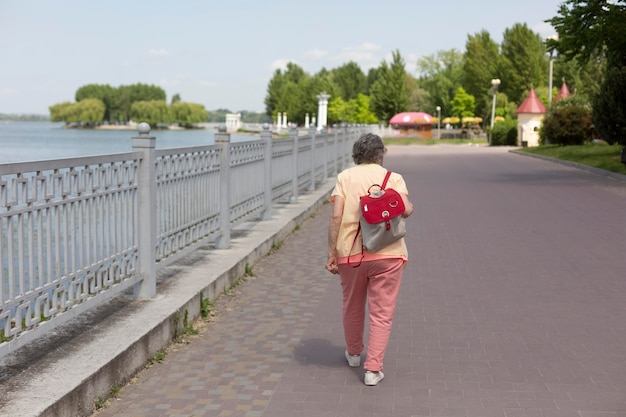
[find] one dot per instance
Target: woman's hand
(331, 264)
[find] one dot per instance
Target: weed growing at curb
(275, 247)
(157, 358)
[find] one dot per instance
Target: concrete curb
(596, 171)
(66, 374)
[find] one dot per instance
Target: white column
(285, 120)
(322, 110)
(306, 121)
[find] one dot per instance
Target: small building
(233, 122)
(412, 124)
(529, 117)
(563, 92)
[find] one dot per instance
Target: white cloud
(8, 91)
(157, 52)
(366, 55)
(315, 54)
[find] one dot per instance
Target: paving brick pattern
(513, 304)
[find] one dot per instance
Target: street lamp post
(494, 84)
(438, 122)
(552, 52)
(550, 79)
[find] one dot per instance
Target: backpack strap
(382, 187)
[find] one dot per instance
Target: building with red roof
(563, 92)
(529, 117)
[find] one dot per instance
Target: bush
(568, 122)
(504, 133)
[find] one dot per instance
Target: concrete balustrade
(77, 232)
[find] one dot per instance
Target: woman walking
(366, 277)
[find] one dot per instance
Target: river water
(35, 141)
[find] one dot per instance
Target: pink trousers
(377, 283)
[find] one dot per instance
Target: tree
(153, 112)
(589, 29)
(362, 110)
(338, 110)
(285, 93)
(418, 99)
(372, 77)
(440, 75)
(311, 88)
(609, 107)
(388, 93)
(103, 92)
(524, 62)
(59, 111)
(357, 110)
(481, 61)
(350, 80)
(582, 78)
(593, 31)
(175, 99)
(462, 103)
(129, 94)
(90, 111)
(187, 114)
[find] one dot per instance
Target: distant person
(368, 277)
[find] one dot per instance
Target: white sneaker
(353, 360)
(373, 378)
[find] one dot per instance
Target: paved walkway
(512, 305)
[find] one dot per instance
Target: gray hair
(368, 149)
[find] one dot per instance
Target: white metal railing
(78, 232)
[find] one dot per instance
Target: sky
(223, 53)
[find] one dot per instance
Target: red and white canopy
(411, 118)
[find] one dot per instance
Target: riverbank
(134, 127)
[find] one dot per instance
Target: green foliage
(417, 98)
(568, 122)
(88, 111)
(583, 78)
(248, 271)
(356, 110)
(115, 104)
(276, 245)
(103, 92)
(480, 65)
(589, 29)
(290, 92)
(363, 110)
(440, 76)
(388, 93)
(153, 112)
(350, 80)
(187, 114)
(609, 107)
(523, 62)
(462, 103)
(158, 357)
(60, 112)
(504, 133)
